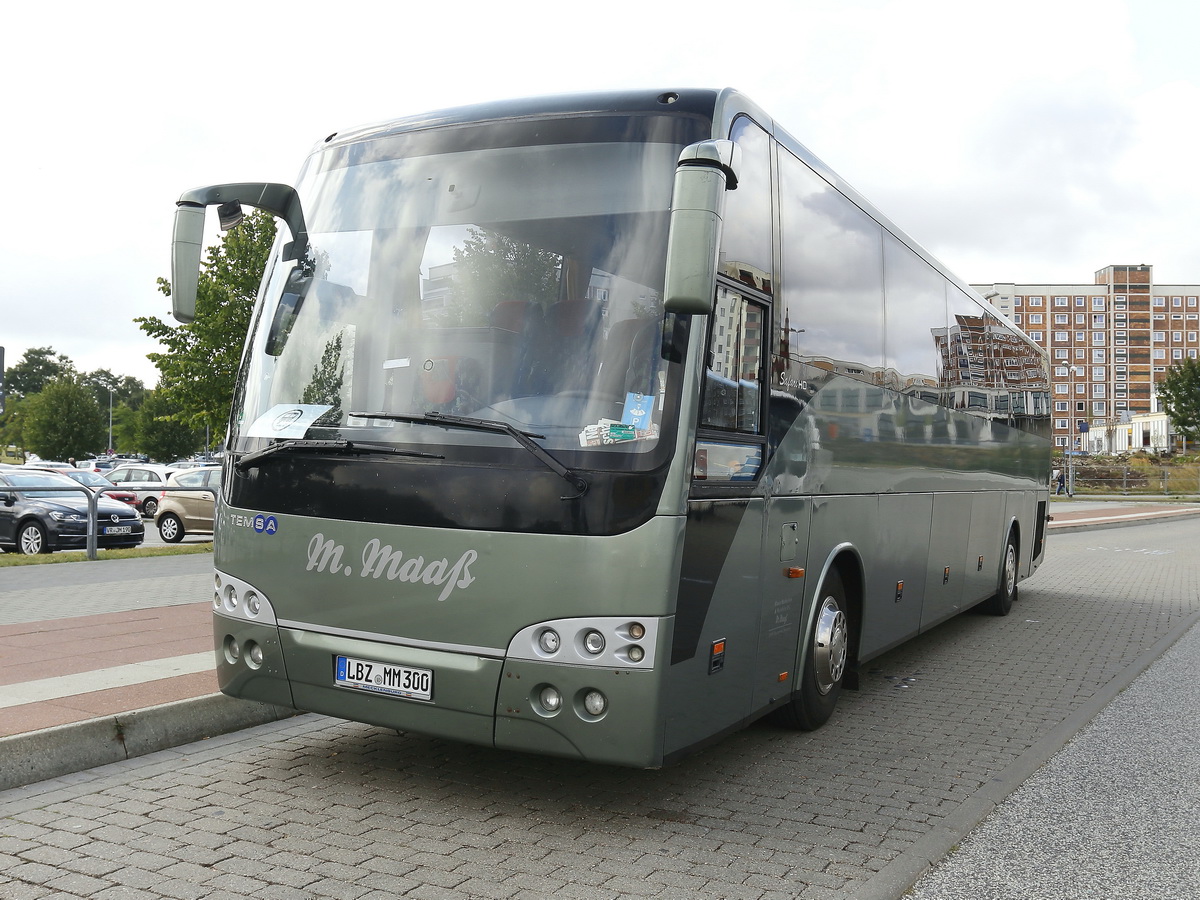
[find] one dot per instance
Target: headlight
(593, 642)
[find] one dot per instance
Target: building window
(1061, 336)
(1035, 301)
(1060, 389)
(1191, 337)
(1060, 372)
(1097, 303)
(1060, 441)
(1097, 321)
(1097, 356)
(1097, 390)
(1177, 336)
(1191, 301)
(1079, 301)
(1035, 318)
(1177, 302)
(1061, 301)
(1098, 408)
(1097, 337)
(1160, 354)
(1062, 319)
(1158, 336)
(1160, 301)
(1061, 353)
(1016, 318)
(1036, 335)
(1060, 406)
(1060, 423)
(1017, 302)
(1097, 373)
(1177, 354)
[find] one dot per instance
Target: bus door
(716, 629)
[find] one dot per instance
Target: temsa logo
(379, 560)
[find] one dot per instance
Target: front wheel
(1000, 603)
(170, 529)
(825, 662)
(31, 539)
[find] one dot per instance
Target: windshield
(20, 480)
(479, 272)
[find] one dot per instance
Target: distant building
(1109, 342)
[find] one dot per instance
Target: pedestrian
(1061, 480)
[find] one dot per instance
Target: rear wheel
(170, 529)
(149, 507)
(31, 539)
(813, 702)
(1001, 602)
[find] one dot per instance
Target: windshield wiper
(352, 447)
(524, 438)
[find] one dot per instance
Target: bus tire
(813, 702)
(1000, 603)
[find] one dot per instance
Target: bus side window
(731, 400)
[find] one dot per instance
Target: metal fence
(1095, 477)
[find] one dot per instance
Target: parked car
(147, 480)
(99, 483)
(41, 521)
(185, 512)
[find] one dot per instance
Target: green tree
(12, 423)
(159, 430)
(1179, 391)
(37, 368)
(200, 363)
(64, 421)
(490, 268)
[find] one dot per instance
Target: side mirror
(706, 171)
(185, 260)
(278, 199)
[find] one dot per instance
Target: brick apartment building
(1109, 342)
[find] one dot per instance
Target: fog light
(637, 631)
(253, 604)
(550, 699)
(595, 703)
(232, 650)
(216, 599)
(549, 641)
(593, 642)
(636, 653)
(254, 655)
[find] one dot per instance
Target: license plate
(118, 529)
(383, 678)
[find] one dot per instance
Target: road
(318, 807)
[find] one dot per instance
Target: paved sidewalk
(85, 680)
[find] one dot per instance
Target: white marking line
(103, 679)
(1144, 515)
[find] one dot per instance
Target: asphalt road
(943, 729)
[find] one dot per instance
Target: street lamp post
(110, 446)
(1073, 430)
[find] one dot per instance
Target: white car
(147, 480)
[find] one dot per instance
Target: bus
(601, 426)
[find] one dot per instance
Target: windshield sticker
(286, 420)
(610, 431)
(638, 409)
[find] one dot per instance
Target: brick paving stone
(314, 807)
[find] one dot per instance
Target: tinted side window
(746, 251)
(832, 270)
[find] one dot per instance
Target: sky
(1034, 141)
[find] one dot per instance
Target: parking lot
(942, 727)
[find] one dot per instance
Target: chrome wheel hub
(830, 645)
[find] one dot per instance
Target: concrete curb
(899, 876)
(64, 749)
(1067, 528)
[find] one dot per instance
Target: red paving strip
(114, 701)
(1060, 517)
(31, 651)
